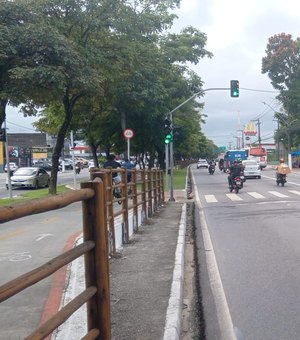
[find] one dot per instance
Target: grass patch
(179, 178)
(32, 194)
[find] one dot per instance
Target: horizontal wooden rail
(24, 281)
(61, 316)
(41, 205)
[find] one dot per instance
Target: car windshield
(25, 172)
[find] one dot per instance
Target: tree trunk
(68, 107)
(94, 153)
(3, 103)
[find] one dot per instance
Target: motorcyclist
(112, 164)
(221, 164)
(234, 171)
(282, 169)
(212, 166)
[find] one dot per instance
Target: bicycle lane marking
(12, 234)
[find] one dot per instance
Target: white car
(251, 169)
(33, 177)
(202, 163)
(91, 164)
(12, 167)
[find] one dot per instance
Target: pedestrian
(129, 166)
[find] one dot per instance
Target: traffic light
(168, 131)
(234, 88)
(2, 135)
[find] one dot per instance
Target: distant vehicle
(260, 155)
(91, 164)
(202, 163)
(12, 167)
(43, 164)
(233, 155)
(251, 169)
(68, 164)
(29, 177)
(83, 161)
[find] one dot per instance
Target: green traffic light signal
(168, 138)
(234, 88)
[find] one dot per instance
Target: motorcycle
(117, 191)
(236, 185)
(281, 179)
(211, 169)
(243, 178)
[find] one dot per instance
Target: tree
(282, 63)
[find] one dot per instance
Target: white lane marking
(278, 194)
(295, 192)
(43, 236)
(210, 198)
(234, 197)
(255, 194)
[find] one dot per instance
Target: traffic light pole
(171, 158)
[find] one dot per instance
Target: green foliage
(97, 67)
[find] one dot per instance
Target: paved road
(255, 237)
(24, 245)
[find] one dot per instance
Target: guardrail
(99, 210)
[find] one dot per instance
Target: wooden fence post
(96, 261)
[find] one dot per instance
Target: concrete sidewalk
(146, 281)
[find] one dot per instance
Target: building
(23, 147)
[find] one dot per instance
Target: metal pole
(128, 148)
(167, 166)
(7, 161)
(171, 199)
(73, 160)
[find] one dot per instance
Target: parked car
(202, 163)
(12, 167)
(29, 177)
(251, 169)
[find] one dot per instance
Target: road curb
(174, 311)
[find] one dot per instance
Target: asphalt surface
(146, 281)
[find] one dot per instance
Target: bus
(232, 155)
(260, 155)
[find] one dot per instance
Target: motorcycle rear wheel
(236, 190)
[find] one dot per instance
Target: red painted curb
(57, 286)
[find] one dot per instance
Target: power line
(21, 126)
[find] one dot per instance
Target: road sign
(128, 133)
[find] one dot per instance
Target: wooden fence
(99, 209)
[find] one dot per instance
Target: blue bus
(232, 155)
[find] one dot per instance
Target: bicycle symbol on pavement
(15, 256)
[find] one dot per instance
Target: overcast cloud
(237, 32)
(237, 35)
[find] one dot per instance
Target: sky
(237, 34)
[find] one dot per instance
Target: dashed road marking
(295, 192)
(12, 234)
(277, 194)
(255, 194)
(210, 198)
(234, 197)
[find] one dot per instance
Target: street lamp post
(170, 115)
